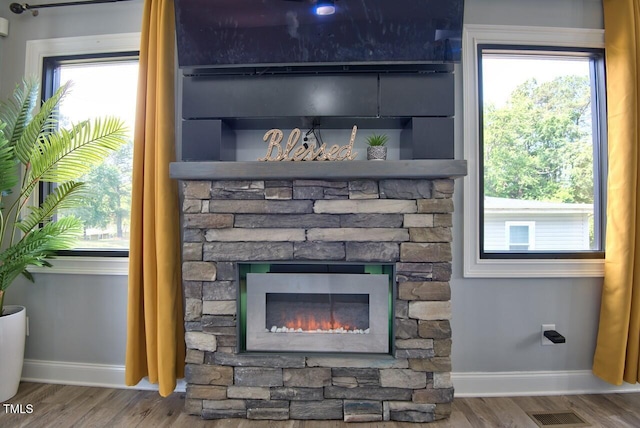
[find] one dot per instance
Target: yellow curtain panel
(616, 356)
(155, 330)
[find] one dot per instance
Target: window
(520, 235)
(102, 85)
(106, 45)
(535, 128)
(540, 151)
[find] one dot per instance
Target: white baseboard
(509, 384)
(467, 384)
(102, 375)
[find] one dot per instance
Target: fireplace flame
(306, 323)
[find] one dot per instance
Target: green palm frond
(67, 155)
(33, 249)
(16, 111)
(8, 166)
(43, 124)
(66, 195)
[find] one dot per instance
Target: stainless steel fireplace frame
(377, 343)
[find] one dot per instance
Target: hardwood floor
(45, 405)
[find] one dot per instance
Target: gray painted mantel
(340, 170)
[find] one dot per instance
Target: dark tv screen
(234, 33)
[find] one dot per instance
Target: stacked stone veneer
(406, 222)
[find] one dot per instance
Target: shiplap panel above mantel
(320, 170)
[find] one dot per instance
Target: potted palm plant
(33, 150)
(377, 149)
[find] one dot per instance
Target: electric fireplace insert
(317, 312)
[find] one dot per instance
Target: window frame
(596, 65)
(541, 265)
(99, 262)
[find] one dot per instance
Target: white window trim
(36, 51)
(473, 266)
(531, 229)
(79, 265)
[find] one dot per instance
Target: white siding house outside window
(549, 226)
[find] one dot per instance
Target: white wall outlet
(543, 340)
(311, 140)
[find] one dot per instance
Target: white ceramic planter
(13, 330)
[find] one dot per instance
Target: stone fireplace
(312, 230)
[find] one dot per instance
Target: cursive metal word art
(305, 153)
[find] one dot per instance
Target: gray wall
(496, 322)
(74, 318)
(71, 21)
(543, 13)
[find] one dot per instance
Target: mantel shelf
(320, 170)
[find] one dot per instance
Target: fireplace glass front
(317, 312)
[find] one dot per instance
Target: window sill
(539, 268)
(74, 265)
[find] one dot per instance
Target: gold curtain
(616, 356)
(155, 331)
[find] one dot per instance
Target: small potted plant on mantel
(377, 149)
(32, 150)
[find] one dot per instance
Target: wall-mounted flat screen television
(235, 33)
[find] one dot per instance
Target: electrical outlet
(543, 340)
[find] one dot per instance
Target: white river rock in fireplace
(339, 330)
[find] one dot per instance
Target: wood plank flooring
(80, 406)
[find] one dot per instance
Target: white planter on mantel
(13, 331)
